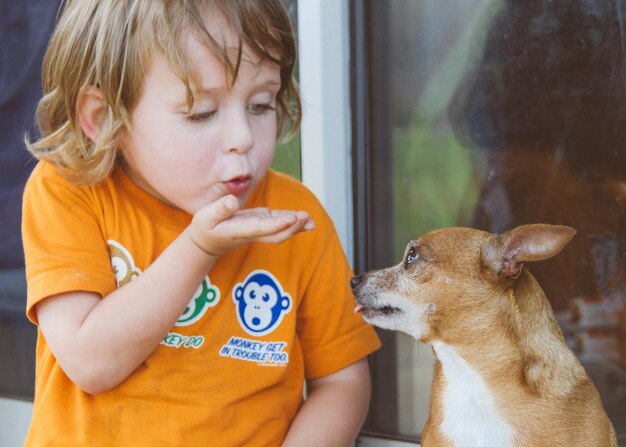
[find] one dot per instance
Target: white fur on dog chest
(470, 417)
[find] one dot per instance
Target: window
(22, 25)
(287, 158)
(492, 114)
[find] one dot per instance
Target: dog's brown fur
(468, 290)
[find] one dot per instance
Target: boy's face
(224, 145)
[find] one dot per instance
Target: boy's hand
(221, 226)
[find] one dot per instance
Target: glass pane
(493, 114)
(24, 31)
(287, 157)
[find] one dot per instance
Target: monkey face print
(261, 303)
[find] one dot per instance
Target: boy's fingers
(231, 227)
(284, 232)
(309, 224)
(271, 225)
(282, 236)
(301, 222)
(257, 228)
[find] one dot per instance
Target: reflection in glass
(502, 113)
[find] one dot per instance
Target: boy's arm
(334, 410)
(100, 342)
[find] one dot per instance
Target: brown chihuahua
(504, 375)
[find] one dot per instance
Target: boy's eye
(200, 117)
(258, 109)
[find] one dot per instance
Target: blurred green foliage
(436, 180)
(433, 182)
(287, 157)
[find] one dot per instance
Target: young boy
(180, 298)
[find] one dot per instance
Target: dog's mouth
(370, 311)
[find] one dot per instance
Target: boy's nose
(237, 134)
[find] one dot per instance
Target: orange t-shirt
(228, 373)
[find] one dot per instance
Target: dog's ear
(505, 255)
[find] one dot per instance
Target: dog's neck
(550, 367)
(519, 336)
(464, 405)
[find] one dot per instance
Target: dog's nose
(355, 281)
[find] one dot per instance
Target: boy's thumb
(226, 206)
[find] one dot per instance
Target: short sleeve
(64, 248)
(332, 335)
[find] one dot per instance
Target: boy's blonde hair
(109, 44)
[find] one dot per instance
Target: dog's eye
(411, 256)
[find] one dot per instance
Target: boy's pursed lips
(239, 185)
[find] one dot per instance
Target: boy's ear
(91, 109)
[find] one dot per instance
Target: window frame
(337, 144)
(326, 141)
